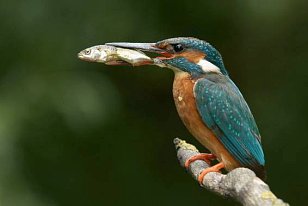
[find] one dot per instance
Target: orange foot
(202, 156)
(215, 168)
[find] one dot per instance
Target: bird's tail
(260, 172)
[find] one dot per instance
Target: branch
(240, 184)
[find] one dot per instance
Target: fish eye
(88, 51)
(178, 47)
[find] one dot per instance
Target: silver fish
(114, 56)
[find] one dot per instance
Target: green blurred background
(79, 133)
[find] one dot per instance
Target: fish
(112, 55)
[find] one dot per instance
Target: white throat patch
(208, 66)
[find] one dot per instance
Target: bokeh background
(79, 133)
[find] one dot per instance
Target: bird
(209, 104)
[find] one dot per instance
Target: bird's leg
(215, 168)
(202, 156)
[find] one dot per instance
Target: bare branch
(240, 184)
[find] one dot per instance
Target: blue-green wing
(224, 110)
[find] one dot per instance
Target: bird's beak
(147, 47)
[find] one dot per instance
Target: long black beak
(148, 47)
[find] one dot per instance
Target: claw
(202, 156)
(215, 168)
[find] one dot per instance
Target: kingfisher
(209, 103)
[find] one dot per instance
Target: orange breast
(186, 106)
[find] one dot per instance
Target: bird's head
(186, 54)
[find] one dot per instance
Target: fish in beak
(112, 55)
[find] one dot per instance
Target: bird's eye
(178, 47)
(88, 52)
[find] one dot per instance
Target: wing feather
(224, 110)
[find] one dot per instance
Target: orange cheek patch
(192, 56)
